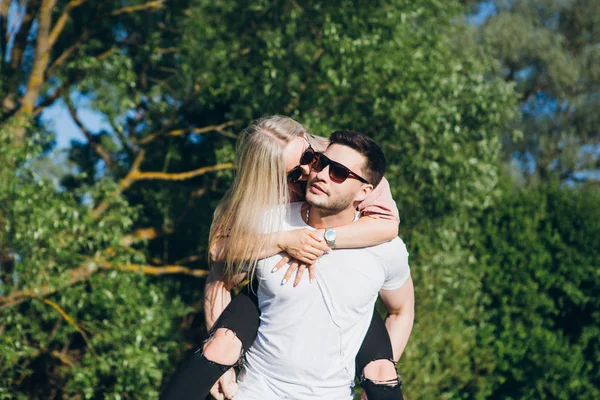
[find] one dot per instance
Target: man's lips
(316, 189)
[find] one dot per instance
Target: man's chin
(314, 199)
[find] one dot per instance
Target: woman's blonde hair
(259, 188)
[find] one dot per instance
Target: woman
(274, 156)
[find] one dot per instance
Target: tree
(175, 83)
(549, 49)
(539, 257)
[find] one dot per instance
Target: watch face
(330, 235)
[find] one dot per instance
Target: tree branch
(130, 9)
(164, 270)
(180, 132)
(86, 270)
(144, 234)
(97, 147)
(217, 128)
(69, 319)
(4, 8)
(68, 52)
(62, 20)
(181, 176)
(20, 42)
(64, 56)
(40, 62)
(64, 358)
(135, 175)
(48, 101)
(18, 49)
(123, 185)
(79, 274)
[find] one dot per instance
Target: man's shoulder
(390, 250)
(386, 252)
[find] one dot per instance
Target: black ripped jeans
(196, 376)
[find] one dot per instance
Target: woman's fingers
(293, 266)
(320, 243)
(215, 391)
(311, 272)
(299, 274)
(305, 245)
(229, 386)
(312, 253)
(284, 260)
(308, 258)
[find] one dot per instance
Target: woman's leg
(234, 331)
(375, 366)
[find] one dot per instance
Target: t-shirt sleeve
(398, 270)
(379, 203)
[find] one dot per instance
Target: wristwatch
(330, 237)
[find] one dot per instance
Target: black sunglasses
(338, 173)
(307, 158)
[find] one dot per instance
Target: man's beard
(332, 206)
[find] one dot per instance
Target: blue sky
(64, 126)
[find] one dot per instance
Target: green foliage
(540, 259)
(158, 77)
(549, 49)
(119, 328)
(390, 72)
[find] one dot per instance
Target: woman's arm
(303, 244)
(365, 232)
(378, 224)
(217, 293)
(380, 203)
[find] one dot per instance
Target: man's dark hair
(374, 167)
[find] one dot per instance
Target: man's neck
(322, 219)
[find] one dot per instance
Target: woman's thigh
(241, 316)
(375, 346)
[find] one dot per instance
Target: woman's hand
(303, 248)
(226, 387)
(304, 245)
(295, 265)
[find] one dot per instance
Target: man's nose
(323, 175)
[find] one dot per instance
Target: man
(310, 335)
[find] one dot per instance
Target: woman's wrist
(282, 240)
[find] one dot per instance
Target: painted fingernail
(311, 280)
(274, 270)
(283, 282)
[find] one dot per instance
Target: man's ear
(364, 191)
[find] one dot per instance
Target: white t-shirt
(310, 335)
